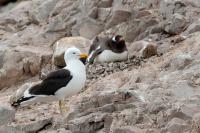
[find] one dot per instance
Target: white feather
(109, 56)
(78, 72)
(76, 83)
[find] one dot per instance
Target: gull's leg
(62, 107)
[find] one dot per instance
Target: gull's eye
(73, 53)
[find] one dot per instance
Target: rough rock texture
(7, 115)
(64, 43)
(176, 24)
(155, 91)
(97, 71)
(142, 49)
(22, 62)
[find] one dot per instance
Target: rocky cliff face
(156, 91)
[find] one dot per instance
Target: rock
(170, 7)
(90, 28)
(143, 13)
(142, 49)
(131, 30)
(104, 102)
(89, 123)
(7, 115)
(57, 25)
(176, 25)
(93, 13)
(180, 61)
(61, 45)
(128, 129)
(196, 121)
(12, 69)
(103, 14)
(34, 126)
(31, 65)
(42, 13)
(118, 16)
(148, 4)
(105, 3)
(177, 125)
(194, 27)
(126, 118)
(20, 62)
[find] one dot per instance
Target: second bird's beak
(83, 58)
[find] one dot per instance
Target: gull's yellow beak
(83, 56)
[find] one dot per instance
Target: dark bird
(105, 49)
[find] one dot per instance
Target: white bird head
(74, 53)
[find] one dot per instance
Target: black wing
(54, 81)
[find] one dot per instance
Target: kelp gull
(58, 84)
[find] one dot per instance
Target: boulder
(133, 29)
(177, 125)
(56, 24)
(118, 16)
(170, 7)
(12, 69)
(180, 61)
(142, 49)
(103, 13)
(7, 115)
(176, 25)
(194, 27)
(20, 62)
(42, 13)
(90, 28)
(105, 3)
(61, 46)
(185, 112)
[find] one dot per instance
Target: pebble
(97, 70)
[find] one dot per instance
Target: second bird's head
(74, 53)
(118, 39)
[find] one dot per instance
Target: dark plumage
(115, 44)
(54, 81)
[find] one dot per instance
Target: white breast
(109, 56)
(76, 83)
